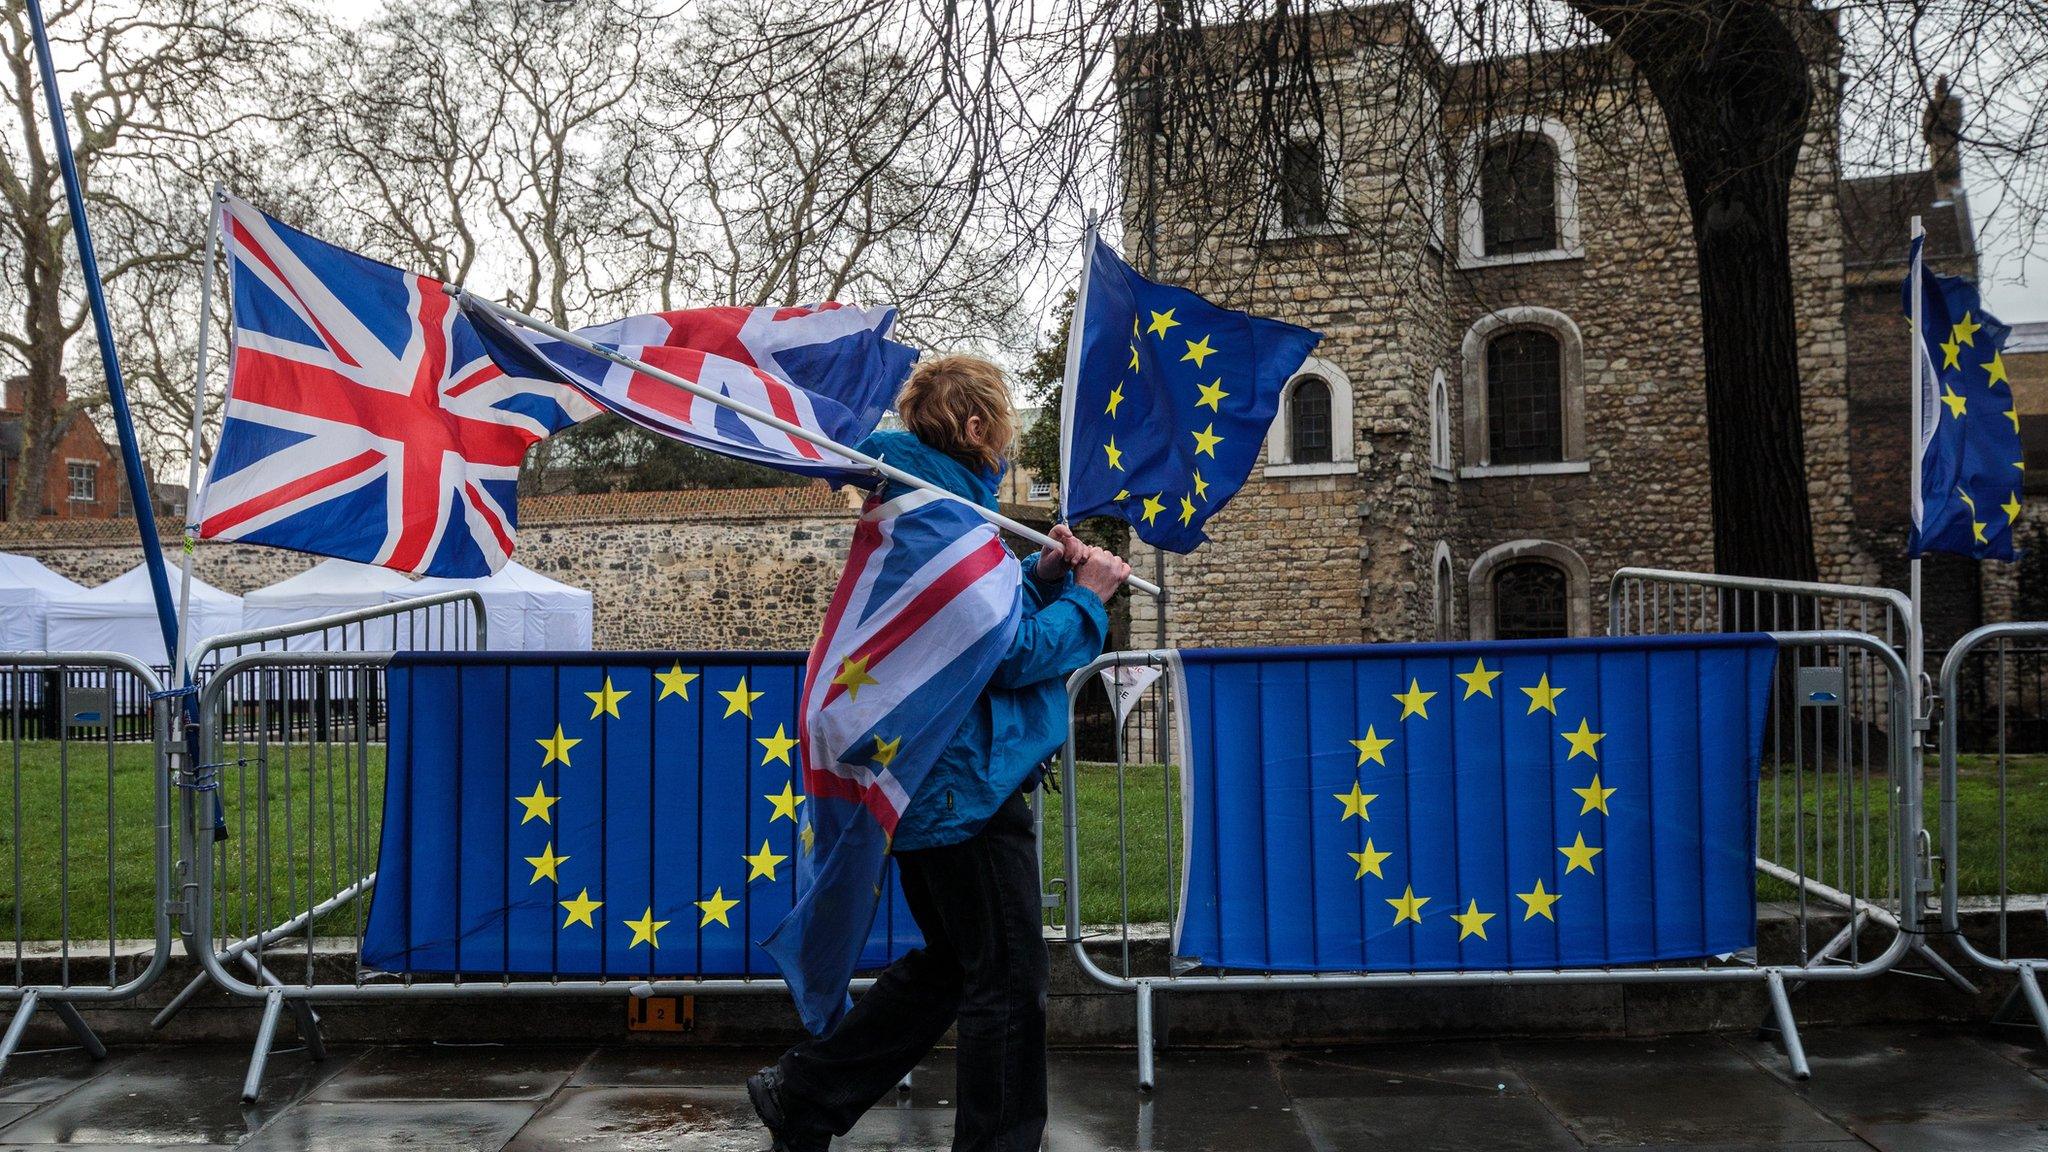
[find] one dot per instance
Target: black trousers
(983, 966)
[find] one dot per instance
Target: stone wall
(744, 568)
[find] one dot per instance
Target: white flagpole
(820, 440)
(1073, 373)
(1916, 635)
(190, 543)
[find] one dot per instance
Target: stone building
(1508, 403)
(83, 480)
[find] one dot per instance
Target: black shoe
(764, 1091)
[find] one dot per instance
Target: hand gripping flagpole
(798, 431)
(140, 496)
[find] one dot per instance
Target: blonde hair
(944, 392)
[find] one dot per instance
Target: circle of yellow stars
(1542, 696)
(763, 864)
(1210, 396)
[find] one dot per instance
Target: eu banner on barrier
(614, 814)
(1473, 806)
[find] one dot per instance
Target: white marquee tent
(120, 616)
(27, 589)
(327, 589)
(526, 610)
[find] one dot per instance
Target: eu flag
(1971, 459)
(1167, 401)
(595, 815)
(1441, 807)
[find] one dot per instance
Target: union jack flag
(926, 609)
(364, 418)
(830, 368)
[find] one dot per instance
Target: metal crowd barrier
(88, 835)
(1664, 602)
(1993, 685)
(1841, 836)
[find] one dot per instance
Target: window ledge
(1548, 255)
(1325, 468)
(1278, 234)
(1555, 468)
(1439, 473)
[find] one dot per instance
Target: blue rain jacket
(1021, 717)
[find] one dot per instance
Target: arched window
(1518, 194)
(1308, 418)
(1439, 423)
(1524, 398)
(1530, 601)
(1444, 613)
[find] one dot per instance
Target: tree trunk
(1731, 79)
(42, 391)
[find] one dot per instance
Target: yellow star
(1479, 681)
(1153, 507)
(1212, 395)
(1949, 353)
(1594, 795)
(2011, 507)
(1472, 922)
(1198, 351)
(809, 839)
(785, 802)
(1967, 502)
(853, 675)
(545, 863)
(580, 909)
(1371, 747)
(557, 748)
(1539, 903)
(775, 747)
(1134, 356)
(1161, 321)
(644, 929)
(1579, 856)
(1977, 528)
(885, 750)
(1115, 454)
(1122, 494)
(1206, 441)
(537, 805)
(1369, 861)
(739, 701)
(675, 682)
(1187, 511)
(762, 863)
(1201, 485)
(1965, 332)
(1408, 906)
(605, 701)
(1956, 404)
(1414, 701)
(1354, 803)
(714, 907)
(1543, 696)
(1585, 741)
(2013, 414)
(1116, 399)
(1994, 370)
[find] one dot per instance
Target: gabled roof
(1877, 218)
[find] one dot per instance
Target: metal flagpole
(771, 420)
(1073, 370)
(140, 496)
(1915, 634)
(190, 544)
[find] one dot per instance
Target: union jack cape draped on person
(364, 419)
(927, 607)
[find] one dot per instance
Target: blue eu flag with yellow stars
(1167, 401)
(1971, 459)
(595, 815)
(1443, 807)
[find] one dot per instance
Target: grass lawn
(46, 785)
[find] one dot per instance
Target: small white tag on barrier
(1125, 683)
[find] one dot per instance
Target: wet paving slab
(1891, 1089)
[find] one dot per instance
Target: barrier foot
(904, 1084)
(266, 1033)
(1948, 971)
(1788, 1028)
(309, 1029)
(1146, 1073)
(2026, 990)
(178, 1002)
(17, 1027)
(68, 1012)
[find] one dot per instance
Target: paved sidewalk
(1902, 1089)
